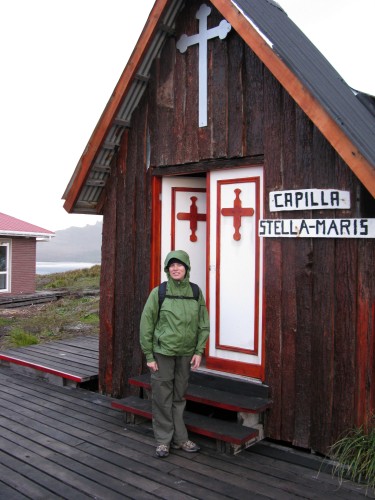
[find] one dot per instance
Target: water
(61, 267)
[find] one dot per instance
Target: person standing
(173, 337)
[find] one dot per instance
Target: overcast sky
(61, 59)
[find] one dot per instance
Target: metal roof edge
(26, 234)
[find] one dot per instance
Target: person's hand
(195, 361)
(153, 366)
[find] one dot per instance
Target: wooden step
(213, 394)
(229, 384)
(222, 430)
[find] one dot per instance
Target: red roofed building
(18, 254)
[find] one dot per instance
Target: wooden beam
(142, 78)
(121, 123)
(95, 183)
(101, 168)
(208, 165)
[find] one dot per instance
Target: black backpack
(162, 292)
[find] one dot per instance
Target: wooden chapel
(229, 135)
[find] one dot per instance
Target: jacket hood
(180, 255)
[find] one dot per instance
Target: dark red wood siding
(319, 293)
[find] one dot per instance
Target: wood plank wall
(319, 293)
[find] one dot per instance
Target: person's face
(177, 271)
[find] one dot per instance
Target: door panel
(235, 280)
(184, 223)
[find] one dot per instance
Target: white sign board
(309, 199)
(317, 228)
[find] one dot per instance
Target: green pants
(169, 385)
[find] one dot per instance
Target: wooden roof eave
(360, 166)
(82, 170)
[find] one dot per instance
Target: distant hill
(75, 244)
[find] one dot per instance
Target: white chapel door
(235, 280)
(226, 233)
(184, 223)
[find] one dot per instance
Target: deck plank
(8, 493)
(65, 474)
(23, 479)
(42, 357)
(74, 350)
(54, 361)
(54, 349)
(87, 342)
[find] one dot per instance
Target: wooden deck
(28, 299)
(64, 442)
(68, 361)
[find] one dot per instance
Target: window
(4, 267)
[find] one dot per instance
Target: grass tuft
(20, 338)
(354, 455)
(5, 321)
(90, 318)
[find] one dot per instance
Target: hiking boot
(162, 450)
(188, 446)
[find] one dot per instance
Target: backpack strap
(195, 289)
(162, 293)
(162, 290)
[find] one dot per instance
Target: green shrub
(90, 319)
(5, 321)
(20, 338)
(355, 455)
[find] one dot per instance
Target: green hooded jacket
(182, 327)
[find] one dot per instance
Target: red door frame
(155, 277)
(230, 367)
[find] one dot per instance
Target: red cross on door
(237, 212)
(193, 216)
